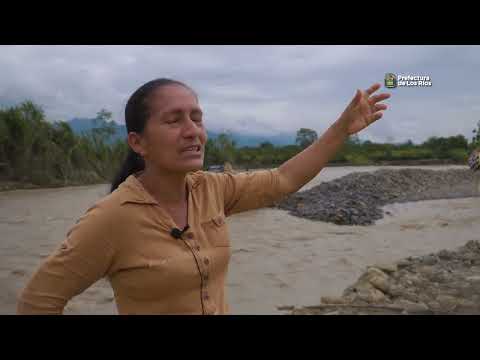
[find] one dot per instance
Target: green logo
(390, 80)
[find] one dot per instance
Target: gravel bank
(357, 198)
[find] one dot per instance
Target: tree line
(36, 151)
(454, 149)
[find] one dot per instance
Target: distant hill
(80, 126)
(255, 140)
(84, 125)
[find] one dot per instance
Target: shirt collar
(134, 192)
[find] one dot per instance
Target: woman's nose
(191, 129)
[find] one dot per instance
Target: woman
(160, 237)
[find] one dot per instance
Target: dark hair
(137, 112)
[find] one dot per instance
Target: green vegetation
(454, 149)
(305, 137)
(35, 151)
(476, 136)
(38, 152)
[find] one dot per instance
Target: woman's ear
(136, 143)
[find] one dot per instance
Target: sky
(255, 89)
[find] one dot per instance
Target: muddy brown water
(277, 259)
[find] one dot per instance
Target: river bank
(8, 185)
(18, 185)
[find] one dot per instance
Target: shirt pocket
(216, 230)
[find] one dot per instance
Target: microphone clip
(177, 233)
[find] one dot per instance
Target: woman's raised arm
(364, 109)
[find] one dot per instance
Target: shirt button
(197, 248)
(205, 296)
(206, 261)
(189, 236)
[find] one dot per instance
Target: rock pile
(447, 282)
(357, 198)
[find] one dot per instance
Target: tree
(44, 153)
(267, 146)
(306, 137)
(445, 143)
(354, 140)
(220, 150)
(104, 126)
(476, 136)
(63, 135)
(104, 115)
(458, 142)
(226, 146)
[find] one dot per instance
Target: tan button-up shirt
(126, 238)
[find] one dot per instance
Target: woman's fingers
(373, 100)
(356, 97)
(373, 88)
(376, 98)
(379, 107)
(374, 117)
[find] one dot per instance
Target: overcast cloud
(255, 89)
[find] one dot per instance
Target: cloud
(255, 89)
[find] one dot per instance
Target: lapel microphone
(177, 233)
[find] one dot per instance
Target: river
(277, 259)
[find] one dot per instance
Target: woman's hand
(303, 167)
(363, 110)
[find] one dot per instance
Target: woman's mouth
(194, 149)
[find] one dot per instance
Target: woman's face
(174, 137)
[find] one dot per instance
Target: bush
(36, 151)
(358, 159)
(458, 155)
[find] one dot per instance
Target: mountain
(83, 125)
